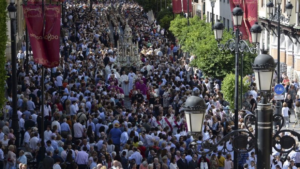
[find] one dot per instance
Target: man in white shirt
(59, 81)
(47, 134)
(33, 142)
(78, 130)
(136, 156)
(27, 137)
(56, 123)
(82, 158)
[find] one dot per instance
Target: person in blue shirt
(115, 135)
(22, 158)
(65, 129)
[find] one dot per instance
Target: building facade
(289, 37)
(20, 28)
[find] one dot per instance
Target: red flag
(31, 2)
(185, 8)
(176, 4)
(52, 34)
(243, 28)
(250, 15)
(35, 24)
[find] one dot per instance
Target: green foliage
(3, 37)
(198, 39)
(228, 87)
(165, 17)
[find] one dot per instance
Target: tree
(198, 39)
(228, 87)
(3, 37)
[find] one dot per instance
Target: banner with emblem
(33, 15)
(185, 8)
(250, 15)
(52, 35)
(177, 6)
(34, 2)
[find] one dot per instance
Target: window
(207, 16)
(221, 19)
(228, 1)
(262, 3)
(224, 21)
(227, 24)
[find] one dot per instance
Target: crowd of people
(99, 115)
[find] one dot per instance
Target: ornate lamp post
(12, 10)
(238, 46)
(242, 139)
(212, 2)
(279, 18)
(264, 66)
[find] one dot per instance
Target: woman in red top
(142, 149)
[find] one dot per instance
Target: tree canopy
(228, 87)
(198, 39)
(3, 37)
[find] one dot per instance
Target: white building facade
(289, 37)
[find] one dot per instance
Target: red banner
(185, 6)
(35, 24)
(176, 4)
(52, 35)
(250, 15)
(31, 2)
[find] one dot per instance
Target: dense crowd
(100, 115)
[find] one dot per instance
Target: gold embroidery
(33, 15)
(56, 9)
(50, 37)
(45, 62)
(250, 18)
(35, 36)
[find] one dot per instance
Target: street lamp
(238, 46)
(243, 140)
(276, 16)
(263, 67)
(194, 109)
(237, 13)
(12, 11)
(212, 13)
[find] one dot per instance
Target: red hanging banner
(185, 8)
(32, 2)
(52, 35)
(35, 24)
(177, 7)
(250, 15)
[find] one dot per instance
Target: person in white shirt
(33, 142)
(27, 137)
(136, 156)
(56, 123)
(57, 164)
(78, 130)
(47, 134)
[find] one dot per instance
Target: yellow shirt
(221, 161)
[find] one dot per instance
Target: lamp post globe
(194, 110)
(256, 32)
(263, 67)
(12, 10)
(237, 13)
(218, 30)
(289, 6)
(270, 7)
(278, 2)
